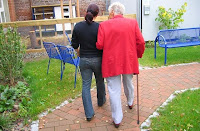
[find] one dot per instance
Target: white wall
(191, 16)
(130, 5)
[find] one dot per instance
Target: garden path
(155, 86)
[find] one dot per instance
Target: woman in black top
(85, 37)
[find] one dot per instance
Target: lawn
(174, 56)
(182, 114)
(47, 90)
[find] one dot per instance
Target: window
(3, 17)
(2, 12)
(1, 4)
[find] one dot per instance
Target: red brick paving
(155, 86)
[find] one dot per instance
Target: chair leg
(48, 66)
(62, 69)
(75, 77)
(165, 55)
(155, 50)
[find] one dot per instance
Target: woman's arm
(100, 38)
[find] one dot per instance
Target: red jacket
(122, 44)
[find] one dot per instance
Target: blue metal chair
(69, 56)
(68, 38)
(52, 52)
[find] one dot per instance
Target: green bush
(15, 95)
(7, 99)
(11, 54)
(170, 19)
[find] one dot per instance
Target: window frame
(2, 10)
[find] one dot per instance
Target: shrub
(170, 19)
(11, 54)
(7, 99)
(11, 96)
(5, 122)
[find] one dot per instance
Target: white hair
(117, 8)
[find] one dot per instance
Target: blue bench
(173, 38)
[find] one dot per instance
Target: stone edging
(148, 68)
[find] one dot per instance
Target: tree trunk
(33, 39)
(12, 80)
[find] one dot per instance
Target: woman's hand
(78, 52)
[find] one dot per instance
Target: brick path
(155, 86)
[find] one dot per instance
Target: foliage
(149, 44)
(170, 19)
(182, 114)
(7, 99)
(14, 95)
(5, 122)
(11, 54)
(184, 38)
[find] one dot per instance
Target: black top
(86, 36)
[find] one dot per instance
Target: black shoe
(89, 119)
(130, 107)
(102, 103)
(116, 125)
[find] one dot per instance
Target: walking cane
(137, 102)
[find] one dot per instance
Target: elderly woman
(122, 44)
(85, 37)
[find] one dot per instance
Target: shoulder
(95, 24)
(130, 20)
(104, 23)
(80, 23)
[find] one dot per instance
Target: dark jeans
(88, 66)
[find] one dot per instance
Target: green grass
(174, 56)
(5, 122)
(47, 90)
(182, 114)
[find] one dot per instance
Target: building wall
(23, 10)
(191, 17)
(50, 2)
(12, 12)
(130, 5)
(84, 4)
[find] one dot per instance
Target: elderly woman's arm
(100, 38)
(140, 43)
